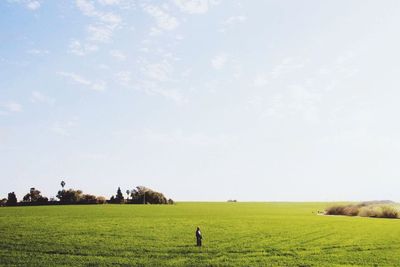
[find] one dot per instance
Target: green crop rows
(235, 234)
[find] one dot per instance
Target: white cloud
(12, 106)
(118, 55)
(77, 48)
(38, 97)
(93, 85)
(194, 6)
(164, 20)
(219, 61)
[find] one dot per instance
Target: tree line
(138, 195)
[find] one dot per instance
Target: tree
(69, 196)
(119, 198)
(34, 196)
(62, 184)
(127, 193)
(12, 199)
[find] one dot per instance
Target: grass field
(235, 234)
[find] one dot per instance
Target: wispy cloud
(163, 19)
(109, 2)
(219, 61)
(12, 106)
(157, 78)
(104, 24)
(118, 55)
(29, 4)
(64, 128)
(194, 6)
(80, 49)
(38, 97)
(38, 51)
(160, 72)
(93, 85)
(123, 77)
(232, 22)
(287, 65)
(261, 80)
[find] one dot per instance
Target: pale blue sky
(201, 100)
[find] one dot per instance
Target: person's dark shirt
(198, 234)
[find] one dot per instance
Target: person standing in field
(198, 237)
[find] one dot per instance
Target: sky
(203, 100)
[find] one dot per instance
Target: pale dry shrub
(389, 212)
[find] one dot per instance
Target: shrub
(88, 199)
(3, 202)
(368, 211)
(351, 210)
(142, 195)
(365, 209)
(335, 210)
(389, 212)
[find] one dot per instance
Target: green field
(235, 234)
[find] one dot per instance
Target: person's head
(198, 228)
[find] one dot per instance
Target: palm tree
(62, 184)
(128, 192)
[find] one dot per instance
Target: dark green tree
(35, 196)
(12, 199)
(69, 196)
(119, 198)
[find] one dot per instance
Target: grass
(235, 234)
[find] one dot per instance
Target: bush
(389, 212)
(335, 210)
(142, 195)
(366, 209)
(3, 202)
(88, 199)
